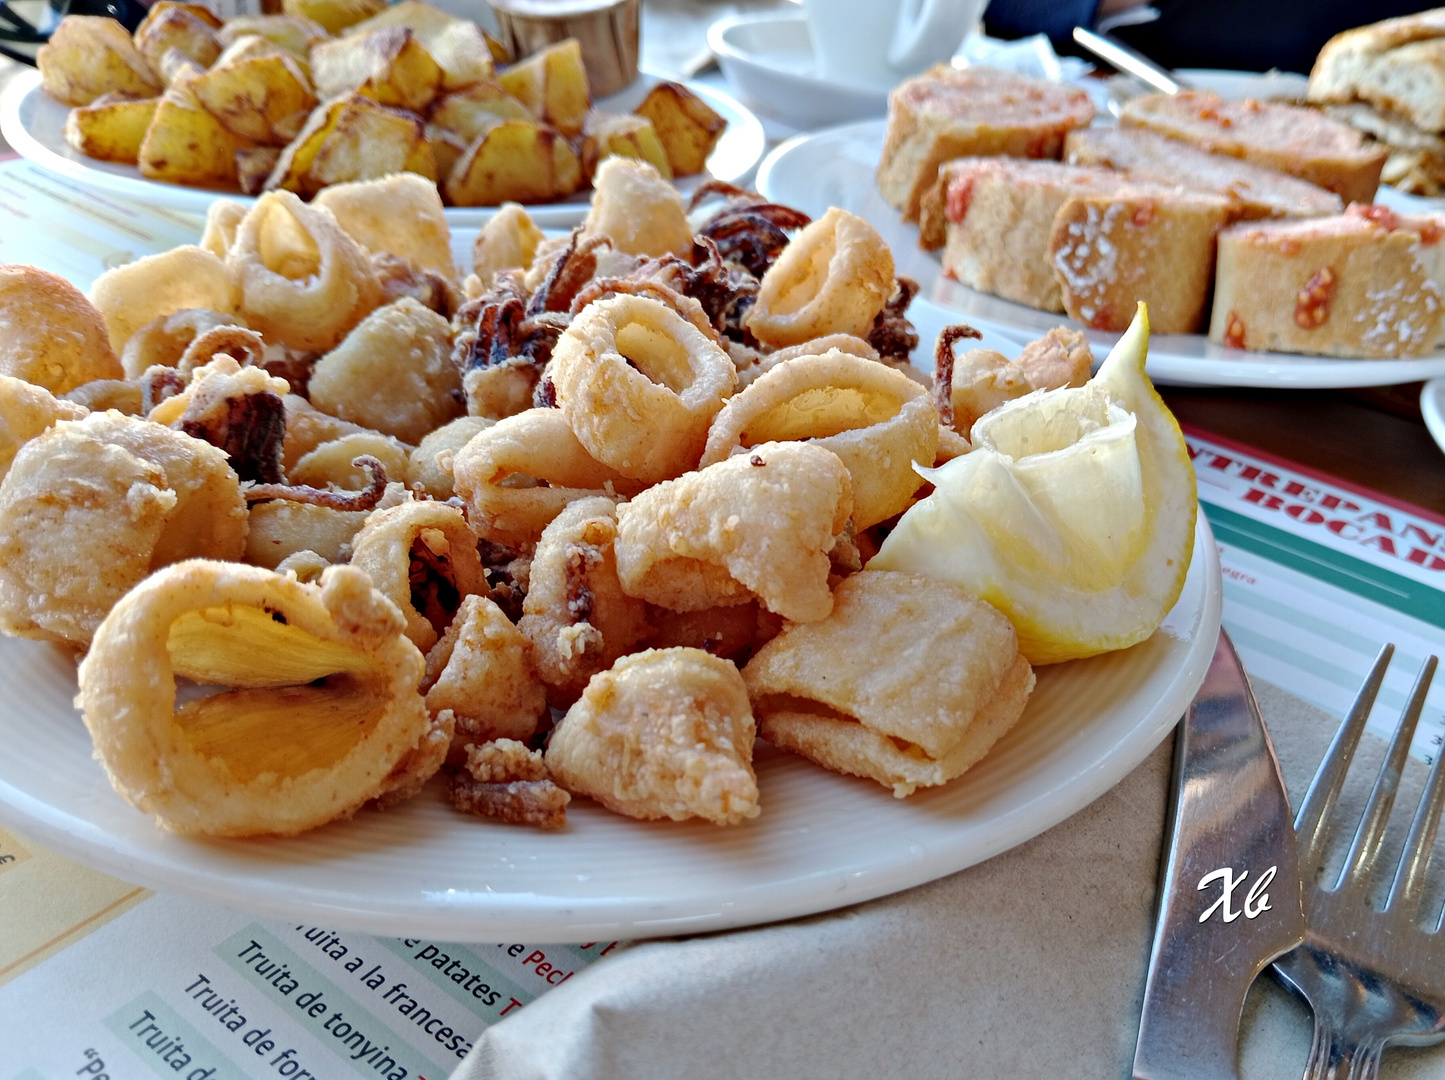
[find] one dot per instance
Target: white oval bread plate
(836, 167)
(33, 123)
(823, 840)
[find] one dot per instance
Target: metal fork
(1372, 975)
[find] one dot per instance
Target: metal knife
(1230, 897)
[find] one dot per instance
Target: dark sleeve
(1020, 18)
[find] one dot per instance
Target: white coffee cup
(879, 42)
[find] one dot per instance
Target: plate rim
(528, 917)
(197, 200)
(1264, 370)
(1432, 409)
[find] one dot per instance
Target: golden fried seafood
(639, 211)
(50, 334)
(575, 614)
(333, 463)
(521, 472)
(507, 242)
(877, 420)
(666, 733)
(758, 364)
(909, 681)
(322, 716)
(639, 385)
(400, 214)
(505, 780)
(423, 558)
(236, 409)
(185, 277)
(481, 670)
(280, 528)
(25, 411)
(393, 373)
(430, 464)
(222, 218)
(721, 631)
(983, 379)
(308, 427)
(91, 506)
(302, 280)
(757, 525)
(186, 339)
(833, 278)
(307, 566)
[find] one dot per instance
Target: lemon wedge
(1073, 515)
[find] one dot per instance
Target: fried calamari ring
(400, 214)
(667, 733)
(122, 395)
(280, 529)
(323, 716)
(308, 427)
(575, 614)
(334, 463)
(393, 372)
(759, 364)
(519, 474)
(909, 681)
(156, 286)
(430, 464)
(423, 558)
(91, 506)
(834, 278)
(759, 524)
(303, 281)
(639, 385)
(222, 217)
(186, 339)
(481, 670)
(639, 211)
(25, 411)
(50, 334)
(877, 420)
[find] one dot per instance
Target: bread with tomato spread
(1359, 284)
(1301, 142)
(948, 113)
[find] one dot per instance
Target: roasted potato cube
(388, 65)
(190, 28)
(457, 45)
(623, 135)
(90, 55)
(500, 53)
(446, 147)
(471, 111)
(185, 144)
(553, 84)
(352, 138)
(250, 46)
(254, 165)
(294, 33)
(687, 126)
(514, 161)
(262, 98)
(111, 127)
(335, 15)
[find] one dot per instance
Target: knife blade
(1230, 896)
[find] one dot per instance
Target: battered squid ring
(639, 385)
(520, 473)
(879, 421)
(303, 281)
(157, 286)
(423, 558)
(833, 278)
(323, 716)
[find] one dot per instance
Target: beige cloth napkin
(1029, 965)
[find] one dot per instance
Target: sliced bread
(1298, 141)
(1354, 65)
(947, 113)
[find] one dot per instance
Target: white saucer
(1432, 408)
(769, 60)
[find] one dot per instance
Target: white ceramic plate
(836, 168)
(822, 842)
(1432, 408)
(33, 122)
(769, 60)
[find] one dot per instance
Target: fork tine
(1415, 858)
(1368, 837)
(1325, 788)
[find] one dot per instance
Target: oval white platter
(836, 167)
(33, 123)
